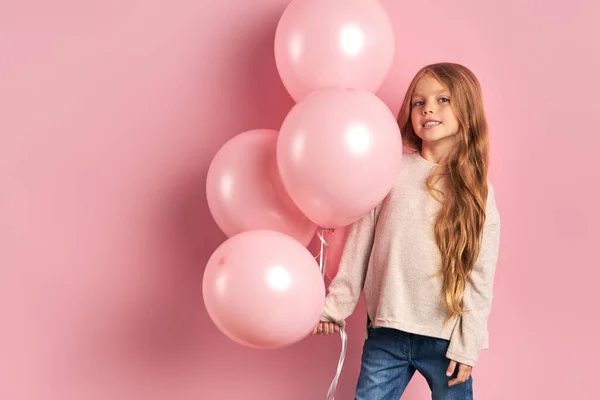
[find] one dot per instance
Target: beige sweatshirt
(391, 253)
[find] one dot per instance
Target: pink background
(111, 112)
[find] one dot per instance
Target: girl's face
(432, 117)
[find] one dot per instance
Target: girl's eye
(444, 100)
(418, 103)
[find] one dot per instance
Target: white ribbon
(323, 268)
(336, 378)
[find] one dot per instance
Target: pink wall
(110, 114)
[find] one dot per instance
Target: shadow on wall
(172, 328)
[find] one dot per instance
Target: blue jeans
(391, 357)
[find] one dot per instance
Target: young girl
(426, 255)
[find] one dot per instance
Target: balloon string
(324, 250)
(334, 383)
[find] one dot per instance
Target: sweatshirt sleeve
(347, 285)
(470, 334)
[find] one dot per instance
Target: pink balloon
(244, 190)
(333, 43)
(263, 289)
(338, 153)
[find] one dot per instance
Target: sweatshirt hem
(412, 328)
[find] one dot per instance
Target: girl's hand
(325, 328)
(464, 372)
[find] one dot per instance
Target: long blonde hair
(459, 223)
